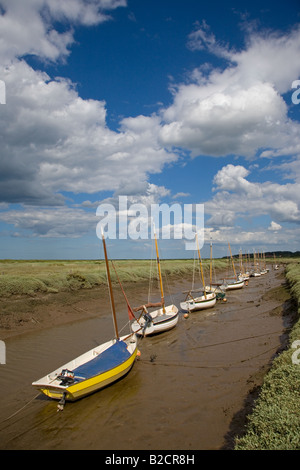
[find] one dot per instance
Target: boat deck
(164, 317)
(107, 360)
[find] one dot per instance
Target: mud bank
(190, 390)
(25, 313)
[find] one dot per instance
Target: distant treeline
(276, 254)
(283, 254)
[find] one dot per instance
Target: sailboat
(236, 283)
(94, 369)
(243, 274)
(219, 288)
(256, 270)
(263, 269)
(276, 267)
(159, 320)
(207, 300)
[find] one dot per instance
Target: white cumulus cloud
(27, 26)
(237, 197)
(239, 109)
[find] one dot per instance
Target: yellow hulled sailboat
(94, 369)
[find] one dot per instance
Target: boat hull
(235, 285)
(220, 291)
(199, 303)
(52, 387)
(160, 322)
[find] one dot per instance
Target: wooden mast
(159, 273)
(242, 270)
(232, 262)
(200, 261)
(210, 267)
(110, 289)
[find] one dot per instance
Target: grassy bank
(274, 423)
(30, 277)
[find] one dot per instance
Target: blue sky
(176, 102)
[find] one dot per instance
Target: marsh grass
(32, 277)
(274, 423)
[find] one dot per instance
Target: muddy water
(185, 392)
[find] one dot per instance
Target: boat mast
(200, 261)
(242, 270)
(159, 273)
(210, 268)
(110, 289)
(232, 262)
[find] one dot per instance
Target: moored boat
(199, 302)
(94, 369)
(204, 301)
(159, 320)
(234, 282)
(91, 371)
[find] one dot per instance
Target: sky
(164, 102)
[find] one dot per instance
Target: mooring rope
(234, 340)
(18, 411)
(187, 363)
(194, 365)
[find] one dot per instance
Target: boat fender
(186, 315)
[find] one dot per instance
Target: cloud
(290, 169)
(232, 177)
(53, 140)
(50, 222)
(274, 227)
(237, 197)
(269, 56)
(78, 219)
(180, 195)
(237, 109)
(28, 27)
(203, 39)
(249, 240)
